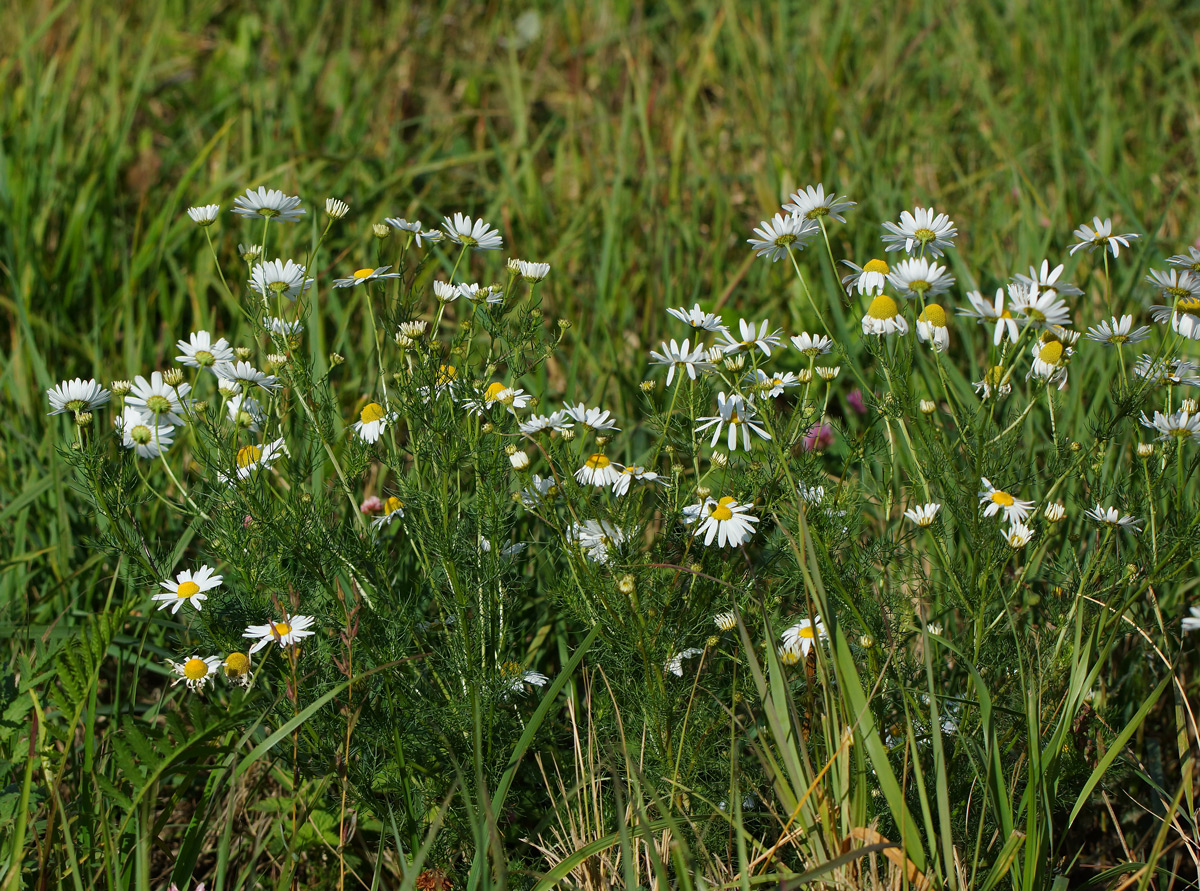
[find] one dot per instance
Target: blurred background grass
(631, 145)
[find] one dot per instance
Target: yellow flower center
(283, 629)
(371, 412)
(187, 589)
(995, 375)
(195, 669)
(1051, 353)
(934, 315)
(1188, 304)
(721, 511)
(446, 374)
(510, 668)
(392, 505)
(883, 308)
(788, 656)
(808, 632)
(248, 455)
(924, 235)
(141, 434)
(363, 273)
(598, 461)
(1003, 499)
(497, 392)
(236, 665)
(204, 357)
(1005, 315)
(876, 266)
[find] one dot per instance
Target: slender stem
(216, 262)
(1150, 502)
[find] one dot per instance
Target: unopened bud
(277, 359)
(242, 353)
(564, 324)
(336, 359)
(829, 372)
(519, 459)
(1145, 449)
(1188, 405)
(648, 386)
(381, 231)
(703, 492)
(719, 458)
(735, 363)
(804, 375)
(1075, 447)
(713, 641)
(627, 584)
(121, 388)
(866, 641)
(927, 406)
(199, 406)
(173, 377)
(602, 440)
(488, 427)
(83, 418)
(1055, 512)
(336, 208)
(567, 434)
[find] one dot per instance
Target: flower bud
(713, 641)
(381, 231)
(172, 377)
(648, 386)
(829, 372)
(277, 359)
(242, 353)
(336, 209)
(703, 492)
(1055, 512)
(866, 641)
(804, 375)
(1145, 449)
(627, 584)
(567, 434)
(1075, 446)
(519, 459)
(602, 440)
(564, 324)
(121, 388)
(250, 252)
(735, 363)
(200, 406)
(719, 458)
(83, 418)
(928, 406)
(488, 427)
(336, 359)
(1188, 405)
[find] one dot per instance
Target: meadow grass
(631, 146)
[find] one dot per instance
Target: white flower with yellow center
(158, 398)
(725, 621)
(279, 278)
(237, 669)
(812, 203)
(1180, 425)
(539, 490)
(682, 357)
(201, 351)
(499, 394)
(674, 665)
(923, 514)
(804, 634)
(724, 520)
(917, 277)
(592, 418)
(994, 501)
(1043, 309)
(931, 328)
(697, 318)
(532, 272)
(1100, 235)
(995, 380)
(1190, 260)
(597, 539)
(1192, 622)
(770, 385)
(634, 472)
(1118, 332)
(776, 237)
(372, 421)
(243, 373)
(362, 276)
(205, 214)
(516, 679)
(140, 432)
(983, 312)
(1110, 516)
(251, 458)
(287, 632)
(1054, 512)
(598, 471)
(1047, 279)
(1049, 362)
(737, 414)
(537, 423)
(1167, 373)
(474, 234)
(77, 396)
(393, 508)
(868, 280)
(196, 671)
(883, 318)
(928, 231)
(269, 203)
(188, 587)
(246, 412)
(751, 336)
(1018, 535)
(812, 345)
(283, 327)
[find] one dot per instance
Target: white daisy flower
(775, 238)
(269, 203)
(810, 494)
(883, 318)
(804, 634)
(156, 397)
(540, 489)
(1046, 279)
(201, 351)
(372, 421)
(287, 632)
(751, 337)
(697, 318)
(244, 373)
(282, 327)
(1190, 260)
(995, 379)
(516, 678)
(923, 514)
(279, 277)
(393, 508)
(983, 311)
(812, 345)
(1118, 332)
(923, 228)
(537, 423)
(724, 520)
(140, 432)
(507, 551)
(683, 357)
(1180, 425)
(1164, 372)
(811, 202)
(1100, 235)
(246, 412)
(736, 413)
(188, 587)
(249, 252)
(445, 292)
(1054, 512)
(237, 670)
(725, 621)
(1043, 309)
(1049, 362)
(405, 226)
(532, 272)
(362, 276)
(1018, 535)
(770, 385)
(250, 458)
(1192, 622)
(336, 209)
(1110, 516)
(598, 471)
(994, 501)
(674, 665)
(204, 215)
(634, 472)
(77, 396)
(931, 327)
(498, 394)
(196, 671)
(917, 277)
(592, 418)
(597, 539)
(480, 294)
(475, 234)
(868, 280)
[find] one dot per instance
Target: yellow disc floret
(187, 589)
(876, 265)
(371, 412)
(1051, 353)
(248, 455)
(883, 308)
(195, 669)
(1002, 498)
(598, 461)
(363, 273)
(236, 665)
(392, 505)
(934, 315)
